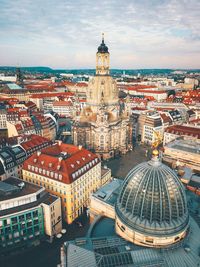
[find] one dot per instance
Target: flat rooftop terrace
(185, 145)
(14, 188)
(109, 192)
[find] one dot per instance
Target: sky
(66, 33)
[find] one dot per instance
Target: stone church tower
(103, 126)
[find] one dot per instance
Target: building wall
(106, 141)
(52, 218)
(74, 196)
(66, 111)
(21, 228)
(179, 157)
(141, 239)
(11, 129)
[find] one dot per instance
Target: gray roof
(115, 252)
(14, 86)
(152, 200)
(190, 146)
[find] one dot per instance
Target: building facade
(67, 171)
(149, 123)
(183, 153)
(27, 214)
(173, 132)
(102, 125)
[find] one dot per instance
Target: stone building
(69, 172)
(103, 126)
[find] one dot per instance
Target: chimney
(38, 153)
(79, 147)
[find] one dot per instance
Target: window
(149, 240)
(122, 228)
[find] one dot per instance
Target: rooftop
(184, 130)
(185, 145)
(109, 192)
(14, 86)
(113, 251)
(62, 161)
(22, 188)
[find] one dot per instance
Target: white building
(63, 108)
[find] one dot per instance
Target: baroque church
(103, 125)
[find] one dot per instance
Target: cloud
(65, 34)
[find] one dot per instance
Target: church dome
(103, 48)
(152, 203)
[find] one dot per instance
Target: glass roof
(152, 199)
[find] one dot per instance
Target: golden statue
(156, 143)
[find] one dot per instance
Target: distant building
(35, 143)
(182, 152)
(44, 125)
(176, 116)
(13, 156)
(149, 92)
(6, 78)
(188, 132)
(3, 119)
(149, 122)
(63, 108)
(11, 159)
(70, 172)
(27, 214)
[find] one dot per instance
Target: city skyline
(139, 34)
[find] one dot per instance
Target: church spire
(102, 37)
(102, 59)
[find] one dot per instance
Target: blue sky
(66, 33)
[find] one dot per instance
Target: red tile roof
(11, 110)
(184, 130)
(35, 141)
(165, 118)
(140, 86)
(62, 103)
(77, 162)
(195, 120)
(65, 94)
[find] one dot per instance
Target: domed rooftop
(152, 201)
(103, 48)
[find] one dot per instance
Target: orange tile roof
(10, 110)
(78, 161)
(184, 130)
(66, 94)
(62, 103)
(165, 118)
(36, 140)
(139, 86)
